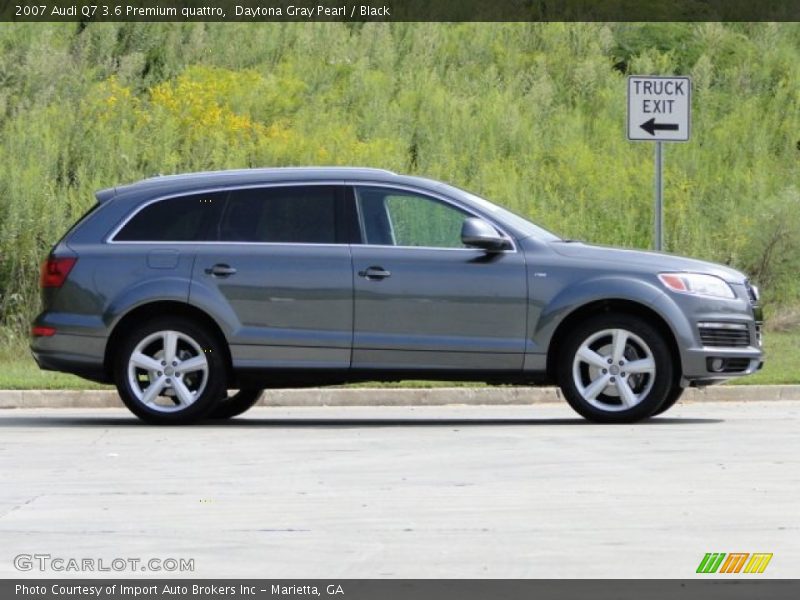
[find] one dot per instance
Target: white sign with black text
(659, 108)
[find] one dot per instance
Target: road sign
(659, 108)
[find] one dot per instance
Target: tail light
(55, 271)
(41, 331)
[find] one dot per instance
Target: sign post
(659, 110)
(658, 229)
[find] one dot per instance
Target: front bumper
(732, 349)
(706, 364)
(735, 362)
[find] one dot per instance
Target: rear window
(287, 214)
(183, 219)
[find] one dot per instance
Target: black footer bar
(716, 587)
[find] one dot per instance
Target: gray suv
(178, 289)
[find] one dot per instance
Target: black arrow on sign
(651, 126)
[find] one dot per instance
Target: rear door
(424, 301)
(280, 273)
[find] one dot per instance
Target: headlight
(697, 283)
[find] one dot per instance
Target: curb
(492, 396)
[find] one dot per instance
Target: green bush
(529, 115)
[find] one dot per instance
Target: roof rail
(271, 169)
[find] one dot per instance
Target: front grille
(724, 337)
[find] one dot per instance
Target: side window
(183, 219)
(288, 214)
(397, 218)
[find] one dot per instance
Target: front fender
(603, 288)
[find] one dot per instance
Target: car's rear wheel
(170, 371)
(233, 406)
(615, 368)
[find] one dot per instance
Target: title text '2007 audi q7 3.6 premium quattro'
(178, 289)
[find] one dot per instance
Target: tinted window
(398, 218)
(184, 219)
(300, 215)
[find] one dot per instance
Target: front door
(424, 301)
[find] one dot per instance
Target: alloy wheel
(167, 371)
(614, 370)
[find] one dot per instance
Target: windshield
(508, 216)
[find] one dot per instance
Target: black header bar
(398, 10)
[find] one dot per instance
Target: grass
(782, 363)
(18, 371)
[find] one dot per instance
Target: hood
(654, 261)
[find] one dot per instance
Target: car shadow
(329, 422)
(392, 422)
(434, 422)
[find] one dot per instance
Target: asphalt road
(505, 491)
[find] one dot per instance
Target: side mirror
(477, 233)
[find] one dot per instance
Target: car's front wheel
(240, 402)
(170, 371)
(615, 368)
(672, 398)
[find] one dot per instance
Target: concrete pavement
(457, 491)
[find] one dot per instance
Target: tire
(672, 398)
(594, 369)
(179, 397)
(233, 406)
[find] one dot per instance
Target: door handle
(221, 270)
(373, 273)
